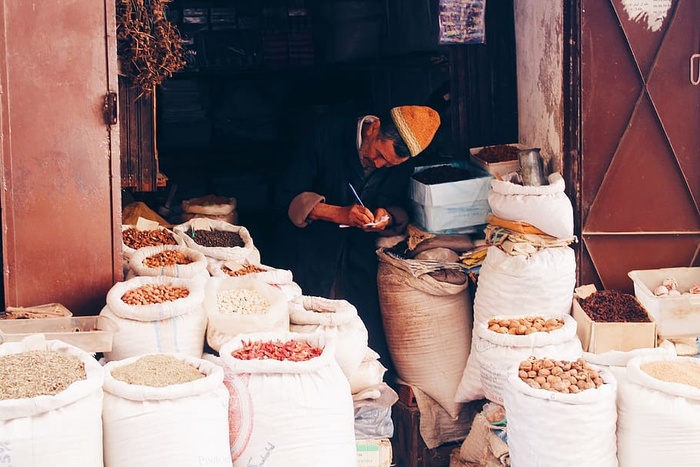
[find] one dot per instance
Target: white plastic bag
(180, 425)
(552, 429)
(287, 413)
(546, 207)
(309, 314)
(62, 429)
(239, 253)
(171, 327)
(222, 327)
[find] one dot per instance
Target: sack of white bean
(156, 315)
(50, 404)
(168, 260)
(218, 240)
(280, 278)
(239, 305)
(659, 412)
(308, 314)
(165, 409)
(290, 403)
(555, 428)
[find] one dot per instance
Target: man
(335, 236)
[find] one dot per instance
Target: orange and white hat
(417, 126)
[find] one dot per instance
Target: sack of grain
(156, 314)
(165, 409)
(497, 354)
(293, 412)
(309, 314)
(540, 284)
(134, 238)
(553, 429)
(241, 305)
(218, 240)
(659, 412)
(55, 428)
(168, 260)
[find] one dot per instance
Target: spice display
(613, 306)
(244, 301)
(524, 326)
(38, 373)
(442, 174)
(135, 238)
(151, 294)
(498, 153)
(157, 371)
(216, 238)
(291, 350)
(166, 258)
(559, 375)
(247, 269)
(673, 372)
(669, 288)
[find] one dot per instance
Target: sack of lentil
(218, 240)
(659, 412)
(540, 284)
(547, 428)
(428, 329)
(291, 409)
(165, 409)
(50, 404)
(308, 314)
(156, 315)
(498, 351)
(546, 207)
(168, 260)
(279, 278)
(240, 305)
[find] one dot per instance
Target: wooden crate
(407, 443)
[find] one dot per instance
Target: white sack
(62, 429)
(499, 354)
(222, 327)
(278, 278)
(658, 421)
(546, 207)
(128, 252)
(541, 284)
(247, 252)
(171, 327)
(309, 314)
(181, 425)
(289, 414)
(197, 268)
(552, 429)
(369, 374)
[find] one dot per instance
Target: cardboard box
(600, 337)
(676, 316)
(461, 192)
(374, 452)
(496, 168)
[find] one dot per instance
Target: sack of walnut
(165, 409)
(309, 314)
(167, 260)
(659, 412)
(156, 315)
(50, 404)
(498, 353)
(547, 428)
(540, 284)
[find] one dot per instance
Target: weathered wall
(539, 52)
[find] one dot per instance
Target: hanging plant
(149, 46)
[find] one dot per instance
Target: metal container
(531, 165)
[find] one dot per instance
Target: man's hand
(353, 216)
(382, 220)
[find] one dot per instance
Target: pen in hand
(357, 197)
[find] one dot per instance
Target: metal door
(61, 198)
(638, 174)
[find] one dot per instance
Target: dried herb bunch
(149, 46)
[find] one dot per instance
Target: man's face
(376, 152)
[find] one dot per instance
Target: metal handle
(694, 80)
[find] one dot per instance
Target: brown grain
(38, 373)
(673, 372)
(157, 371)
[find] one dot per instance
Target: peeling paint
(651, 12)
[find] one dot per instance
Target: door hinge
(110, 109)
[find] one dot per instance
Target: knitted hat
(417, 126)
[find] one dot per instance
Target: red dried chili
(291, 350)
